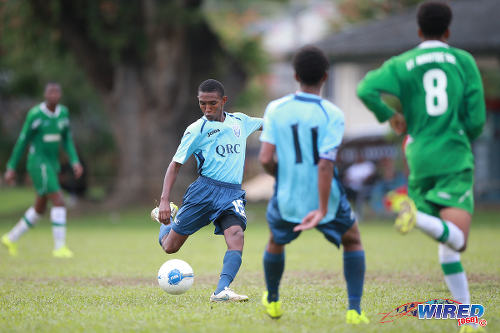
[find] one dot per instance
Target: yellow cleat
(10, 245)
(63, 252)
(273, 309)
(407, 216)
(470, 329)
(354, 318)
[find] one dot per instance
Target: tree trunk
(149, 89)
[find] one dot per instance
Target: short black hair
(211, 85)
(310, 64)
(434, 18)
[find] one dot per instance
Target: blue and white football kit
(219, 149)
(304, 128)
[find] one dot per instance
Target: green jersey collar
(431, 44)
(49, 113)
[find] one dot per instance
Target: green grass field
(111, 285)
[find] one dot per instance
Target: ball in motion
(175, 276)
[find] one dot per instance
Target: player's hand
(310, 221)
(78, 170)
(398, 123)
(10, 176)
(164, 212)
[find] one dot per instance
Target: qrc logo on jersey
(237, 130)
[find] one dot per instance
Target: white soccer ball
(175, 276)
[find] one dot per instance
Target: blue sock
(354, 273)
(274, 265)
(230, 266)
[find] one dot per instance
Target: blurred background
(130, 71)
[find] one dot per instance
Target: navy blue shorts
(208, 200)
(283, 230)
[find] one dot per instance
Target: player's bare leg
(459, 218)
(58, 219)
(235, 240)
(354, 273)
(173, 241)
(29, 219)
(454, 274)
(274, 265)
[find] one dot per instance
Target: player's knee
(352, 240)
(169, 248)
(462, 249)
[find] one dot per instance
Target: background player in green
(45, 128)
(442, 99)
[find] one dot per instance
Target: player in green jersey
(443, 106)
(45, 128)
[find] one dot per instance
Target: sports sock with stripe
(443, 231)
(454, 274)
(354, 273)
(29, 219)
(58, 218)
(274, 265)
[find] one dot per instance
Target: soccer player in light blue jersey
(218, 142)
(300, 138)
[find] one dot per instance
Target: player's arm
(29, 127)
(267, 159)
(330, 140)
(381, 80)
(474, 111)
(188, 145)
(69, 148)
(168, 183)
(325, 175)
(268, 147)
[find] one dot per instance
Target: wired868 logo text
(438, 309)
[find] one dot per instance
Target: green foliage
(108, 287)
(362, 10)
(32, 56)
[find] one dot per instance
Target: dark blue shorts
(206, 201)
(283, 230)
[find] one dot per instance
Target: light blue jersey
(303, 127)
(219, 147)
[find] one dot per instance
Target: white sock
(29, 219)
(58, 217)
(454, 274)
(442, 231)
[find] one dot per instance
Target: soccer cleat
(10, 245)
(273, 309)
(173, 212)
(353, 317)
(227, 295)
(470, 329)
(62, 252)
(407, 216)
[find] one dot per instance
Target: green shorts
(44, 178)
(431, 194)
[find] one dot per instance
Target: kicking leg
(354, 273)
(29, 219)
(171, 241)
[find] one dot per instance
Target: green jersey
(44, 131)
(442, 97)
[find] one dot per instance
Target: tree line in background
(129, 72)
